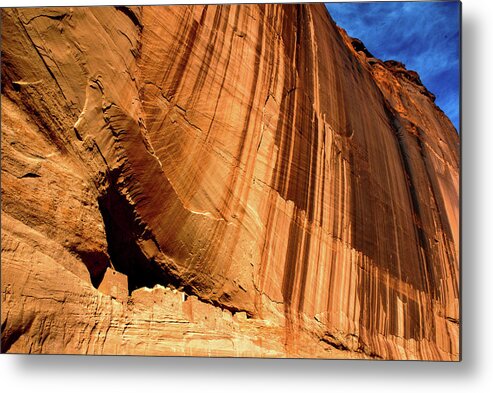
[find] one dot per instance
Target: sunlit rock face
(222, 181)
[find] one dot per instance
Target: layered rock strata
(222, 181)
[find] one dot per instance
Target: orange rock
(267, 186)
(114, 284)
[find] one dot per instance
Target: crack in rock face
(222, 180)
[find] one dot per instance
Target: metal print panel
(227, 180)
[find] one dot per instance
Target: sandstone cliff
(225, 181)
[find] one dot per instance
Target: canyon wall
(222, 181)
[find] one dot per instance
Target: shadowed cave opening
(96, 263)
(125, 254)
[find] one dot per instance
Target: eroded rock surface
(262, 184)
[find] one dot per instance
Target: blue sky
(422, 35)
